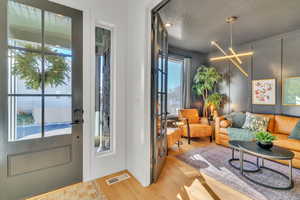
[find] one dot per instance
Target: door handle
(77, 116)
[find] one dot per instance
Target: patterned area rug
(213, 161)
(80, 191)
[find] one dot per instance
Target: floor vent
(117, 179)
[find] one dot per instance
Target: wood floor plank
(178, 181)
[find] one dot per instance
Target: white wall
(138, 89)
(132, 21)
(112, 13)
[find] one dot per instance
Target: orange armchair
(192, 126)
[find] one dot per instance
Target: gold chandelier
(232, 56)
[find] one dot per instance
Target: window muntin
(39, 73)
(103, 133)
(175, 75)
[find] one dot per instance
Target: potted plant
(205, 81)
(264, 139)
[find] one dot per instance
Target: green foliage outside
(28, 67)
(264, 137)
(24, 118)
(205, 81)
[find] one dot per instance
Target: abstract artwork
(291, 91)
(264, 92)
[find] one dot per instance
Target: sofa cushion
(225, 123)
(237, 119)
(240, 134)
(255, 122)
(224, 131)
(285, 142)
(271, 121)
(285, 124)
(296, 132)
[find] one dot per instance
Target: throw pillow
(225, 123)
(295, 134)
(237, 119)
(256, 123)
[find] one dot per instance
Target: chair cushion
(190, 114)
(285, 124)
(282, 140)
(255, 122)
(237, 119)
(198, 130)
(296, 132)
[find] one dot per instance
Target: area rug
(81, 191)
(213, 161)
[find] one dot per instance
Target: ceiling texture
(197, 22)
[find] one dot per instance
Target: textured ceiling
(197, 22)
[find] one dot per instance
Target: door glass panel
(58, 33)
(24, 72)
(58, 115)
(58, 75)
(39, 75)
(103, 135)
(24, 118)
(24, 26)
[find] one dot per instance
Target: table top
(277, 153)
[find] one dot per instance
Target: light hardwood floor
(178, 181)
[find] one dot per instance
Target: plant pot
(263, 145)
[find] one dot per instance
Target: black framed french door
(41, 97)
(159, 94)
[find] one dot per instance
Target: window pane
(24, 118)
(24, 72)
(24, 26)
(58, 33)
(58, 116)
(174, 86)
(58, 75)
(103, 132)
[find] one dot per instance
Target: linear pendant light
(235, 57)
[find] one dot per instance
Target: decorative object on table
(295, 134)
(264, 139)
(234, 57)
(237, 119)
(291, 91)
(256, 122)
(205, 81)
(28, 67)
(264, 92)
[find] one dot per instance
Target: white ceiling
(197, 22)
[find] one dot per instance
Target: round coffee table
(275, 153)
(235, 145)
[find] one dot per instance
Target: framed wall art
(264, 92)
(291, 91)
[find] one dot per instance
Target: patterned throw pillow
(256, 123)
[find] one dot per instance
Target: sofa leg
(210, 138)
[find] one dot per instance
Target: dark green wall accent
(276, 57)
